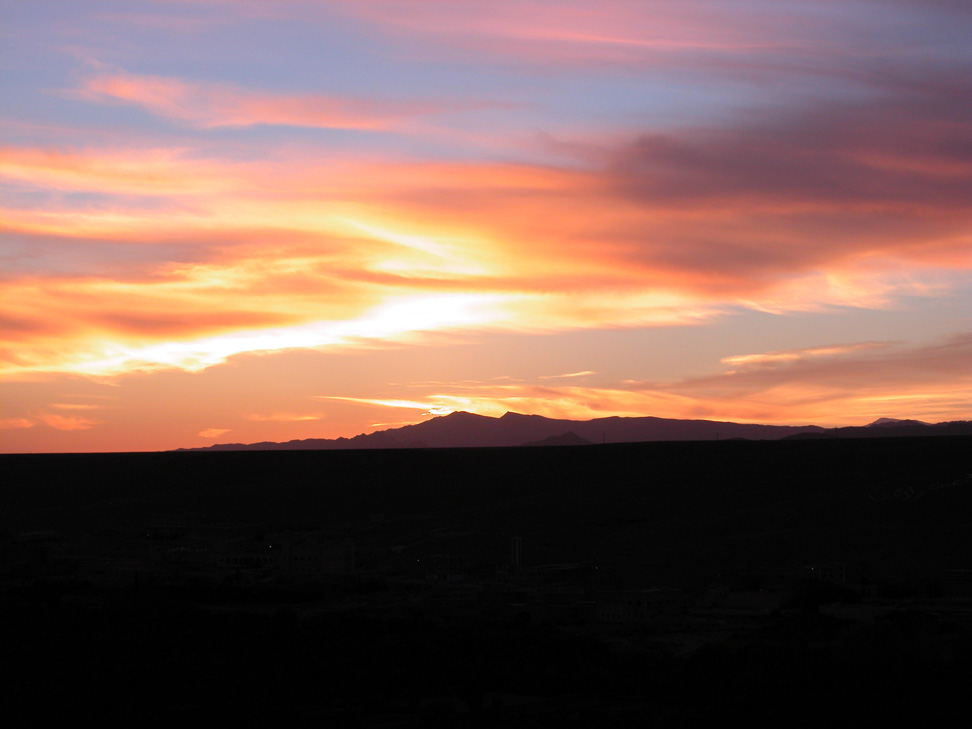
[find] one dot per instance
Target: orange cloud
(795, 355)
(847, 383)
(285, 417)
(67, 422)
(16, 423)
(583, 373)
(213, 432)
(439, 405)
(834, 385)
(801, 211)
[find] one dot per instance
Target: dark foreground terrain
(613, 585)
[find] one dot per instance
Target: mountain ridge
(463, 429)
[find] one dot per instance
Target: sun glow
(396, 320)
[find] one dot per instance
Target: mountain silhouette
(468, 430)
(894, 423)
(893, 428)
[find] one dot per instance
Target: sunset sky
(247, 220)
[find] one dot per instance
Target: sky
(264, 220)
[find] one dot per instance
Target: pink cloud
(224, 105)
(606, 30)
(754, 40)
(154, 171)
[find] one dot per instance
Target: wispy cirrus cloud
(67, 422)
(844, 384)
(541, 28)
(285, 417)
(700, 38)
(437, 405)
(797, 355)
(169, 172)
(848, 384)
(213, 432)
(583, 373)
(16, 423)
(211, 105)
(853, 368)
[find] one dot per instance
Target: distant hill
(468, 430)
(892, 428)
(894, 423)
